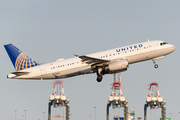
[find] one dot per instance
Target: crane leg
(67, 111)
(108, 105)
(163, 112)
(125, 111)
(145, 111)
(49, 110)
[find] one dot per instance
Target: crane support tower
(155, 102)
(58, 101)
(116, 98)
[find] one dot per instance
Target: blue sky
(49, 30)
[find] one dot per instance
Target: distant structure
(155, 101)
(139, 118)
(131, 114)
(117, 99)
(58, 101)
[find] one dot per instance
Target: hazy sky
(48, 30)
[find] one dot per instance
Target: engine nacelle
(118, 65)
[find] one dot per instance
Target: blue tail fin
(18, 58)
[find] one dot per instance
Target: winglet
(76, 55)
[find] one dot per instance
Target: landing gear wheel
(99, 78)
(156, 66)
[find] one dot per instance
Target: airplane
(104, 62)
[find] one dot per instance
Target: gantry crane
(155, 102)
(116, 98)
(58, 101)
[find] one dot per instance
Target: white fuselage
(74, 66)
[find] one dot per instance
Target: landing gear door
(43, 72)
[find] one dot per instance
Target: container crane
(155, 102)
(58, 101)
(116, 98)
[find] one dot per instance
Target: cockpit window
(163, 43)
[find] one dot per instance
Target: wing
(92, 61)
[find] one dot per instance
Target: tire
(156, 66)
(99, 78)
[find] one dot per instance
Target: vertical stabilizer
(18, 58)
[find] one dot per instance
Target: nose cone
(173, 48)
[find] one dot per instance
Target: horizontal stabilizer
(20, 73)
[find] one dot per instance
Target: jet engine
(114, 67)
(118, 65)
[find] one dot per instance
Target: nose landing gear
(155, 65)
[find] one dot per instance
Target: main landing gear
(99, 78)
(99, 74)
(155, 65)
